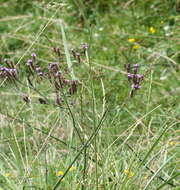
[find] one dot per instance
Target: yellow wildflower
(129, 173)
(72, 168)
(171, 143)
(59, 173)
(135, 46)
(131, 40)
(7, 174)
(145, 177)
(152, 30)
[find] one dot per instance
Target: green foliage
(135, 144)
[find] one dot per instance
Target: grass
(98, 137)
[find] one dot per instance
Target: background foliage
(137, 144)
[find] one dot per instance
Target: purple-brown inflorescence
(84, 47)
(57, 51)
(26, 98)
(78, 56)
(58, 99)
(55, 74)
(53, 68)
(33, 55)
(39, 71)
(73, 87)
(10, 73)
(73, 53)
(134, 78)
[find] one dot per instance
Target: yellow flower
(129, 173)
(171, 143)
(145, 177)
(135, 46)
(152, 30)
(131, 40)
(72, 168)
(59, 173)
(7, 174)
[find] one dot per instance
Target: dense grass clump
(89, 95)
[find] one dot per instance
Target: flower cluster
(56, 73)
(10, 73)
(134, 43)
(134, 78)
(152, 30)
(32, 67)
(128, 173)
(77, 55)
(131, 40)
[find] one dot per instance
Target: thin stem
(72, 116)
(84, 169)
(87, 144)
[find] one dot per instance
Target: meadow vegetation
(90, 94)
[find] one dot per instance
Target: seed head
(73, 87)
(58, 100)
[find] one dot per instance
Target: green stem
(87, 144)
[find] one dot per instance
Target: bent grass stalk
(87, 144)
(156, 173)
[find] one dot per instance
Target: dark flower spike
(73, 87)
(78, 55)
(49, 77)
(84, 47)
(57, 85)
(65, 82)
(42, 101)
(53, 67)
(128, 68)
(30, 61)
(57, 51)
(135, 68)
(8, 72)
(73, 53)
(33, 55)
(139, 78)
(58, 75)
(29, 81)
(41, 74)
(58, 99)
(26, 98)
(130, 76)
(136, 86)
(30, 64)
(133, 78)
(13, 72)
(38, 69)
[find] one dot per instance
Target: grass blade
(149, 182)
(67, 54)
(153, 146)
(168, 181)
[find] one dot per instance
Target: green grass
(99, 138)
